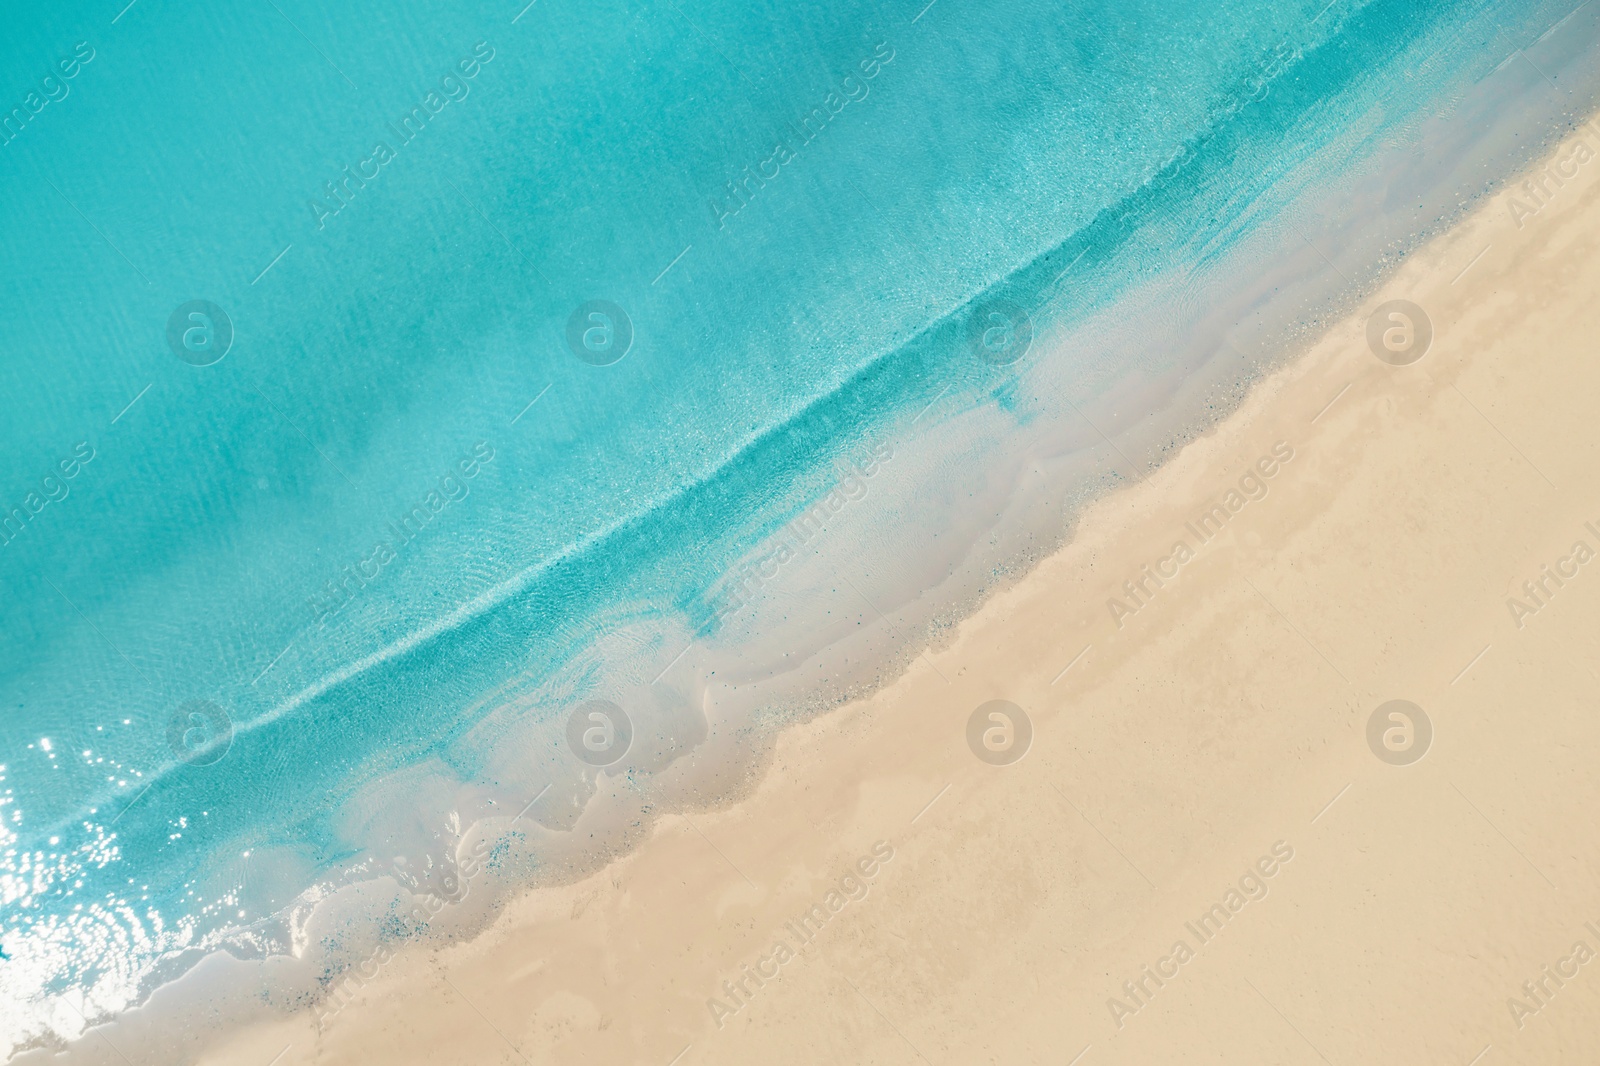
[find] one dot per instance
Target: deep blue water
(349, 532)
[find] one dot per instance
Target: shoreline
(1114, 519)
(799, 836)
(756, 746)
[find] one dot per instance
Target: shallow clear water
(239, 595)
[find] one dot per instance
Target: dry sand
(1219, 733)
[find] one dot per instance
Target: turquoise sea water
(260, 615)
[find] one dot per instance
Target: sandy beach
(1216, 847)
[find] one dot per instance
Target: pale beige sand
(1226, 716)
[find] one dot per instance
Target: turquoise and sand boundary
(818, 624)
(1203, 853)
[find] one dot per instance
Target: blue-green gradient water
(380, 531)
